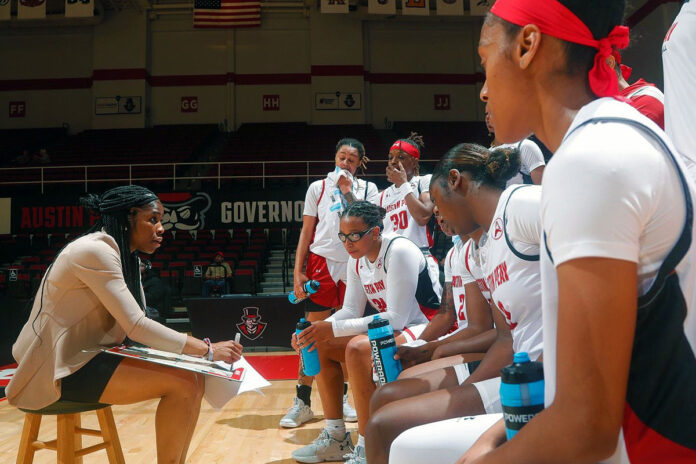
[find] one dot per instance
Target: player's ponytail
(490, 167)
(502, 164)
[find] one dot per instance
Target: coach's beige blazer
(85, 305)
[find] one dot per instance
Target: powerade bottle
(521, 392)
(310, 359)
(383, 347)
(310, 287)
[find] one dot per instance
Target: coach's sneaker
(357, 456)
(324, 448)
(349, 414)
(297, 415)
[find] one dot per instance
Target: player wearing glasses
(389, 272)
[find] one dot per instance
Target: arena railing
(218, 171)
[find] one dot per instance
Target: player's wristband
(405, 189)
(209, 354)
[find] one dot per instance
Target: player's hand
(228, 351)
(294, 344)
(298, 285)
(410, 355)
(318, 333)
(344, 184)
(397, 175)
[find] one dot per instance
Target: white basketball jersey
(373, 277)
(680, 75)
(510, 264)
(456, 274)
(399, 219)
(470, 258)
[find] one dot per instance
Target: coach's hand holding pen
(228, 351)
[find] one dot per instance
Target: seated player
(390, 273)
(468, 188)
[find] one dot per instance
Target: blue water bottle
(310, 287)
(383, 347)
(521, 392)
(310, 359)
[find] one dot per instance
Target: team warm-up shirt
(679, 68)
(531, 157)
(394, 284)
(399, 219)
(456, 274)
(324, 201)
(613, 190)
(647, 99)
(510, 264)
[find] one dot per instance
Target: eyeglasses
(354, 236)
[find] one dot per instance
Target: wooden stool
(68, 444)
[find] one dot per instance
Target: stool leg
(78, 438)
(110, 434)
(30, 433)
(66, 439)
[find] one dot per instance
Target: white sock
(361, 441)
(336, 428)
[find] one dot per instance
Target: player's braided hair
(416, 141)
(371, 214)
(357, 144)
(115, 209)
(492, 167)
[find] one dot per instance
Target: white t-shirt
(510, 264)
(399, 219)
(679, 64)
(531, 157)
(458, 276)
(611, 191)
(392, 293)
(324, 201)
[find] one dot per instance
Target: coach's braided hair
(492, 167)
(371, 214)
(357, 144)
(114, 209)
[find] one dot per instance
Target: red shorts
(330, 294)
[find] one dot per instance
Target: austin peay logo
(31, 3)
(251, 326)
(184, 211)
(498, 229)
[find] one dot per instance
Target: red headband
(554, 19)
(406, 147)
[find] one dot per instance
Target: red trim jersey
(510, 264)
(399, 219)
(457, 275)
(679, 68)
(617, 189)
(647, 98)
(396, 285)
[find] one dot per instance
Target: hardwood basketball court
(244, 431)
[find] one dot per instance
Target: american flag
(226, 13)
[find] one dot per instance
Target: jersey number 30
(400, 220)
